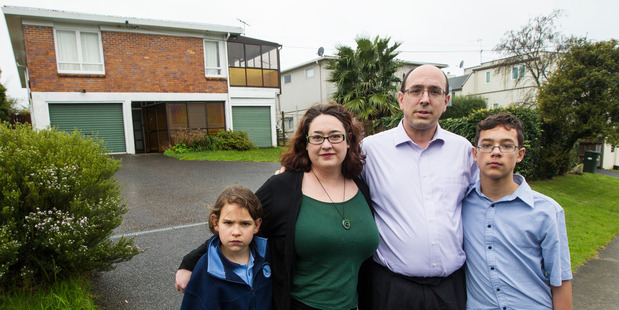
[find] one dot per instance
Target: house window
(487, 77)
(253, 63)
(79, 51)
(287, 78)
(212, 62)
(517, 72)
(309, 73)
(288, 124)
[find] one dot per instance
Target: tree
(537, 46)
(580, 99)
(366, 80)
(5, 104)
(462, 106)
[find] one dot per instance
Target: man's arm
(182, 278)
(562, 296)
(189, 261)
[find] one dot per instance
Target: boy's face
(498, 165)
(236, 230)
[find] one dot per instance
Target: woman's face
(327, 155)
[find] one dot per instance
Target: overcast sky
(438, 31)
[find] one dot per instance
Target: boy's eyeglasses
(334, 138)
(503, 148)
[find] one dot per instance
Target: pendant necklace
(345, 221)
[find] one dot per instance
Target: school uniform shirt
(219, 284)
(515, 249)
(416, 195)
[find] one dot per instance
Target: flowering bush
(59, 204)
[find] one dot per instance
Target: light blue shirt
(417, 196)
(515, 248)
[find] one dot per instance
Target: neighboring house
(307, 83)
(513, 85)
(501, 86)
(139, 83)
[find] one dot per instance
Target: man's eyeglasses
(503, 148)
(433, 92)
(334, 138)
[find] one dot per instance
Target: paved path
(167, 198)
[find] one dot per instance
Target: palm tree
(366, 81)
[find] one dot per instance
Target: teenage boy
(517, 255)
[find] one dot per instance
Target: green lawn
(591, 204)
(74, 293)
(269, 155)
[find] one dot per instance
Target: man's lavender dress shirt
(417, 196)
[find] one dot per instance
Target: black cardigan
(281, 197)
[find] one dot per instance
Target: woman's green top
(328, 255)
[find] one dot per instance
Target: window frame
(80, 62)
(220, 60)
(308, 70)
(287, 78)
(487, 77)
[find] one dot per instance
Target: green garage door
(256, 121)
(106, 120)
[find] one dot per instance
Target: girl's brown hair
(237, 195)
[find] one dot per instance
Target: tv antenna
(244, 24)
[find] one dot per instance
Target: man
(418, 174)
(514, 237)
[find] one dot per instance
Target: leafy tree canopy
(462, 106)
(365, 78)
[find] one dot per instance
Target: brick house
(138, 83)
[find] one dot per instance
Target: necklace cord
(342, 214)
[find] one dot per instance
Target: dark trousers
(392, 291)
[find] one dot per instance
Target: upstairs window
(253, 63)
(287, 78)
(518, 72)
(212, 61)
(309, 73)
(487, 77)
(79, 51)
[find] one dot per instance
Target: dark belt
(429, 281)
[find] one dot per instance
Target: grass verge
(73, 293)
(591, 209)
(268, 155)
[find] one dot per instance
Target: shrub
(234, 140)
(205, 143)
(59, 204)
(529, 167)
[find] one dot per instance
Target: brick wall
(133, 63)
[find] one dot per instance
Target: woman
(316, 216)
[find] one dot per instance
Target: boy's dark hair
(507, 120)
(237, 195)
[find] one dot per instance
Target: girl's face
(236, 230)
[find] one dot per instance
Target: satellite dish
(461, 64)
(321, 51)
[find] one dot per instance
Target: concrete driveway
(167, 201)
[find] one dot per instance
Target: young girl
(235, 272)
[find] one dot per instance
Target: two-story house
(137, 82)
(307, 83)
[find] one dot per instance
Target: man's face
(420, 102)
(497, 164)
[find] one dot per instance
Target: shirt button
(491, 268)
(489, 226)
(498, 289)
(433, 265)
(491, 206)
(433, 243)
(490, 248)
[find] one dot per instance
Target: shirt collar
(401, 136)
(523, 192)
